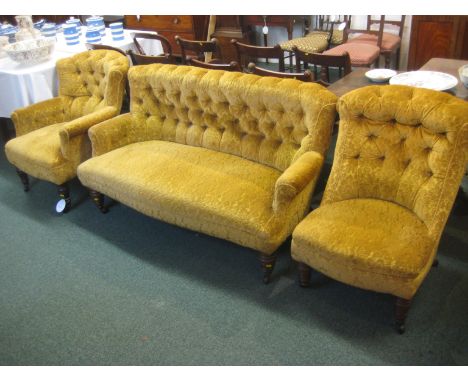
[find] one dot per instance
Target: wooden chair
(245, 53)
(199, 48)
(361, 53)
(231, 67)
(390, 42)
(166, 45)
(142, 59)
(305, 76)
(90, 46)
(325, 61)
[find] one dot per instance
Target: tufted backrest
(404, 145)
(91, 80)
(268, 120)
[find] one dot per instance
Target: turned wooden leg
(435, 263)
(98, 200)
(304, 275)
(64, 204)
(24, 179)
(268, 263)
(401, 311)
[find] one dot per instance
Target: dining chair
(362, 54)
(198, 49)
(391, 42)
(90, 46)
(327, 64)
(165, 43)
(245, 53)
(306, 76)
(143, 59)
(399, 160)
(231, 67)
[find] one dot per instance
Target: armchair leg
(268, 263)
(401, 311)
(64, 204)
(304, 275)
(435, 263)
(98, 200)
(24, 179)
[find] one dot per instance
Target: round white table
(23, 85)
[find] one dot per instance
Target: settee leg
(401, 311)
(98, 200)
(304, 275)
(268, 263)
(24, 179)
(64, 204)
(435, 263)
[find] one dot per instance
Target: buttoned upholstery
(400, 157)
(314, 42)
(51, 135)
(230, 154)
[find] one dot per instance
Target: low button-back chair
(51, 136)
(399, 160)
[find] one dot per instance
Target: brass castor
(98, 200)
(268, 263)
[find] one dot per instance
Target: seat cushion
(39, 154)
(204, 190)
(389, 41)
(360, 54)
(314, 42)
(364, 236)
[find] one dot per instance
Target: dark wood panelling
(437, 36)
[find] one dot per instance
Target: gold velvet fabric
(232, 155)
(400, 157)
(51, 135)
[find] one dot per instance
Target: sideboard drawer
(161, 23)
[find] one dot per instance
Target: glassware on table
(26, 29)
(463, 73)
(117, 31)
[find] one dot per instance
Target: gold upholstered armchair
(51, 136)
(400, 157)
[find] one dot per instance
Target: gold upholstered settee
(51, 136)
(229, 154)
(400, 157)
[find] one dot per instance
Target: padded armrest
(80, 126)
(296, 177)
(112, 134)
(38, 115)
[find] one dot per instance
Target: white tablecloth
(23, 85)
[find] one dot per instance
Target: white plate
(425, 79)
(380, 75)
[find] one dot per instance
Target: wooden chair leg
(268, 263)
(387, 60)
(401, 311)
(304, 275)
(98, 200)
(64, 204)
(24, 179)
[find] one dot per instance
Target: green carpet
(124, 289)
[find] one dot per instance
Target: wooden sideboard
(437, 36)
(189, 27)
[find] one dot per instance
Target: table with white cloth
(23, 85)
